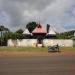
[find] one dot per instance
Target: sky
(60, 14)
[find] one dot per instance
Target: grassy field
(24, 49)
(68, 48)
(32, 49)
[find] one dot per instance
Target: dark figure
(54, 48)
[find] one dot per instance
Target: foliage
(66, 35)
(2, 28)
(20, 31)
(6, 34)
(33, 49)
(3, 31)
(14, 35)
(31, 26)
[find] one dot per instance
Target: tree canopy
(31, 26)
(20, 31)
(2, 28)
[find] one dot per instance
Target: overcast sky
(60, 14)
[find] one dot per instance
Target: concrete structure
(22, 43)
(60, 42)
(26, 32)
(12, 42)
(46, 42)
(51, 31)
(40, 37)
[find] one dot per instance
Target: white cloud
(55, 12)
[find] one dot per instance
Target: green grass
(24, 49)
(33, 49)
(68, 48)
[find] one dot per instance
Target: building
(51, 34)
(39, 38)
(39, 33)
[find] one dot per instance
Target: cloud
(58, 13)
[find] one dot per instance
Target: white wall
(11, 42)
(46, 42)
(27, 42)
(23, 42)
(60, 42)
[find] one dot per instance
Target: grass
(33, 49)
(24, 49)
(68, 48)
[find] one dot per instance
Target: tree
(20, 31)
(31, 26)
(3, 31)
(19, 34)
(2, 28)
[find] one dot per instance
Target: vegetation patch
(68, 48)
(24, 49)
(33, 49)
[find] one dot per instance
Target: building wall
(46, 42)
(11, 42)
(23, 42)
(60, 42)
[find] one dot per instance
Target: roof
(51, 31)
(26, 31)
(39, 29)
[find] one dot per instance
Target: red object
(39, 29)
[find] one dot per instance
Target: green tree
(3, 31)
(31, 26)
(14, 35)
(19, 34)
(20, 31)
(1, 37)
